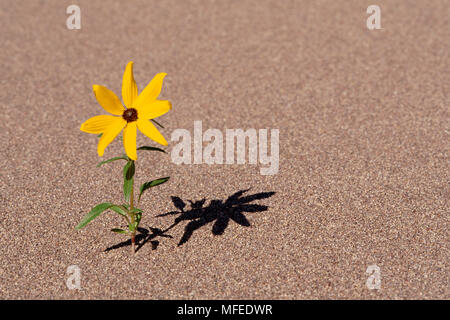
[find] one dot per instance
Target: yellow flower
(139, 110)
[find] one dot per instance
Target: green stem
(133, 217)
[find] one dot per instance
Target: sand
(363, 176)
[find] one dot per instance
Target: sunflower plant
(137, 112)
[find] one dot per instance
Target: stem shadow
(142, 238)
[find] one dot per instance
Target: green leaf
(157, 123)
(151, 184)
(120, 210)
(118, 231)
(128, 170)
(94, 213)
(132, 226)
(100, 135)
(112, 159)
(136, 210)
(151, 149)
(138, 218)
(128, 174)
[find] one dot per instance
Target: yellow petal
(129, 87)
(154, 109)
(108, 100)
(129, 140)
(147, 128)
(151, 92)
(97, 124)
(111, 132)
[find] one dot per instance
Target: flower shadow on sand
(218, 211)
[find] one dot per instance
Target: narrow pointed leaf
(128, 170)
(135, 210)
(95, 212)
(111, 160)
(120, 210)
(151, 184)
(151, 149)
(118, 231)
(128, 174)
(157, 123)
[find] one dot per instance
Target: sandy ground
(363, 178)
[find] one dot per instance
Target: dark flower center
(130, 115)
